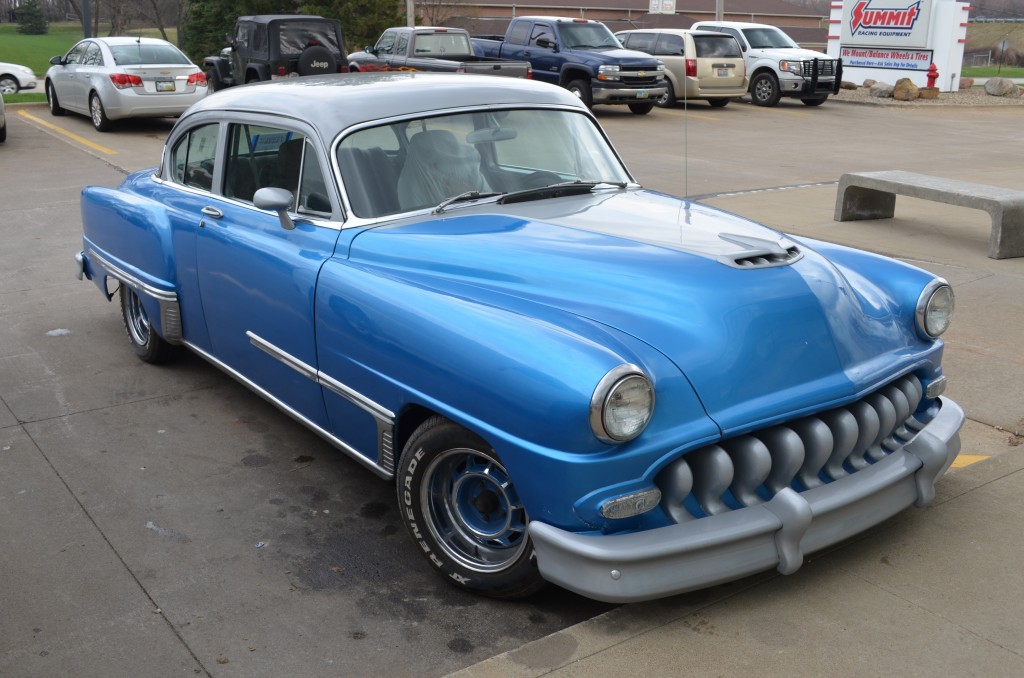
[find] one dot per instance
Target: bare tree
(437, 12)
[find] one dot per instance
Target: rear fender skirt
(170, 311)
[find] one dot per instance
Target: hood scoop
(759, 252)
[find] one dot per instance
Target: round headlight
(935, 308)
(622, 405)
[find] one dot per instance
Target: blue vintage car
(568, 378)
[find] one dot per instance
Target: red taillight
(691, 68)
(124, 81)
(343, 68)
(529, 72)
(197, 79)
(282, 71)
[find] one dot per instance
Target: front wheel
(668, 99)
(641, 109)
(721, 102)
(8, 84)
(581, 88)
(461, 508)
(814, 102)
(147, 344)
(99, 116)
(764, 90)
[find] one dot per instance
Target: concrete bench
(872, 195)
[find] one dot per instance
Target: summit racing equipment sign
(889, 23)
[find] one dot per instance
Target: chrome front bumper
(720, 548)
(627, 95)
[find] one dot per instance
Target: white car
(778, 67)
(14, 77)
(113, 78)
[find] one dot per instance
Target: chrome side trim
(385, 473)
(291, 361)
(385, 418)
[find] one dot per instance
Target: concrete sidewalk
(935, 591)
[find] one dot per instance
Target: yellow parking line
(968, 459)
(69, 135)
(698, 115)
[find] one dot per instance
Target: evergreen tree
(31, 20)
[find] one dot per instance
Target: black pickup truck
(432, 48)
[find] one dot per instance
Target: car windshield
(420, 164)
(587, 36)
(296, 36)
(138, 53)
(766, 38)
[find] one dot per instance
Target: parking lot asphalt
(164, 521)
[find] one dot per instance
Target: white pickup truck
(777, 66)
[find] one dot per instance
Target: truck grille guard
(800, 455)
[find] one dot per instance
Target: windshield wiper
(464, 197)
(558, 190)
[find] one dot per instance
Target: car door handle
(212, 212)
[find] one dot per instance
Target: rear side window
(261, 157)
(670, 45)
(519, 33)
(193, 157)
(716, 46)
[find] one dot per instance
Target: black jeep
(276, 46)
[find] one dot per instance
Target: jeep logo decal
(318, 64)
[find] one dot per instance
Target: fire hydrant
(933, 75)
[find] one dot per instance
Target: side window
(734, 33)
(259, 39)
(519, 33)
(403, 43)
(669, 45)
(92, 56)
(386, 44)
(541, 32)
(76, 53)
(194, 156)
(642, 41)
(264, 157)
(242, 35)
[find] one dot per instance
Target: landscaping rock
(928, 92)
(846, 84)
(869, 82)
(1001, 87)
(905, 90)
(881, 90)
(966, 83)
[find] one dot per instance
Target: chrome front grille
(826, 68)
(802, 454)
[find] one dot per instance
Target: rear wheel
(99, 116)
(51, 100)
(814, 102)
(718, 103)
(147, 344)
(581, 88)
(462, 510)
(641, 109)
(764, 90)
(8, 84)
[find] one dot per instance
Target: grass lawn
(35, 51)
(993, 72)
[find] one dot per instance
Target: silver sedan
(113, 78)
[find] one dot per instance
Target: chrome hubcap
(473, 510)
(138, 321)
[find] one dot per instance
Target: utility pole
(410, 13)
(86, 19)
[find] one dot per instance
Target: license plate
(642, 94)
(164, 85)
(723, 72)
